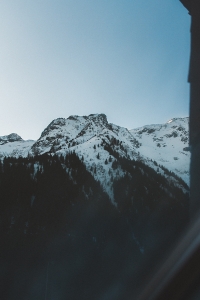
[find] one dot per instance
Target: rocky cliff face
(167, 144)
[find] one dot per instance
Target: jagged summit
(172, 123)
(14, 145)
(93, 117)
(167, 144)
(13, 137)
(64, 133)
(98, 119)
(176, 120)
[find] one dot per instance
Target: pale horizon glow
(62, 57)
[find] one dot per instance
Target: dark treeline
(37, 192)
(63, 239)
(156, 206)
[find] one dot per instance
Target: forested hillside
(64, 239)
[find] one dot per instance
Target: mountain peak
(92, 117)
(74, 121)
(173, 120)
(167, 144)
(13, 137)
(98, 117)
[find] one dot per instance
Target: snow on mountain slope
(68, 133)
(96, 141)
(14, 145)
(167, 144)
(88, 136)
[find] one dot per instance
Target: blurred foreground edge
(179, 276)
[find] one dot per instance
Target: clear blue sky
(125, 58)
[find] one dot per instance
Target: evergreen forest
(62, 238)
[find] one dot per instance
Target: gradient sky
(125, 58)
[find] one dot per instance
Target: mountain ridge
(94, 140)
(167, 144)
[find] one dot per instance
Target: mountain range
(92, 138)
(62, 237)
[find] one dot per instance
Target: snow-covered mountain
(97, 143)
(52, 207)
(89, 136)
(81, 132)
(14, 145)
(167, 144)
